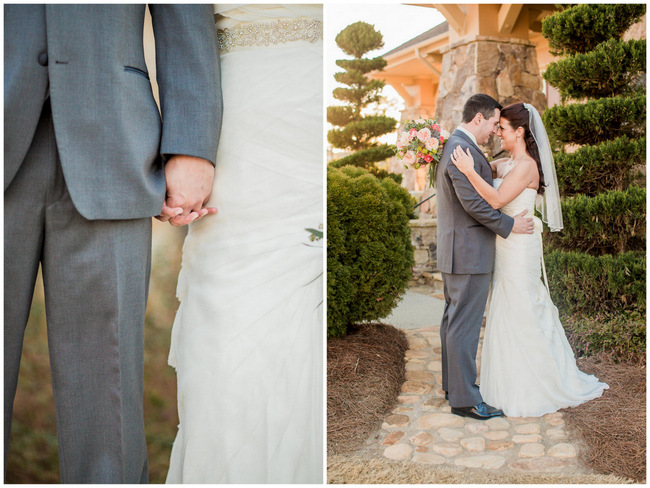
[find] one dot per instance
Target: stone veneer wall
(424, 239)
(505, 69)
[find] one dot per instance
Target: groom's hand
(523, 225)
(189, 184)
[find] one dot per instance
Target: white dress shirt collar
(469, 134)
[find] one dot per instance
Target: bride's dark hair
(518, 116)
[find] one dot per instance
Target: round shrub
(369, 251)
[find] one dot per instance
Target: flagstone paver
(422, 429)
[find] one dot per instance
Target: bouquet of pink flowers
(421, 144)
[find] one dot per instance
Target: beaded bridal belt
(265, 33)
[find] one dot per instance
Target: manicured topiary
(593, 169)
(581, 28)
(613, 67)
(608, 223)
(599, 132)
(354, 129)
(597, 120)
(369, 251)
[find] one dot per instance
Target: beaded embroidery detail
(265, 33)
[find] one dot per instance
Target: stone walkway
(422, 429)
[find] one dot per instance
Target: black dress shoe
(446, 396)
(482, 411)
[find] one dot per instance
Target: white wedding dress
(247, 342)
(527, 368)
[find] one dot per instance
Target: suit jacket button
(42, 59)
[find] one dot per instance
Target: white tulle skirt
(527, 368)
(247, 341)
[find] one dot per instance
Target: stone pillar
(505, 69)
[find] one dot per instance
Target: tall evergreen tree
(597, 264)
(353, 130)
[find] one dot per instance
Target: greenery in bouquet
(421, 144)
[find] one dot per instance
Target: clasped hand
(189, 184)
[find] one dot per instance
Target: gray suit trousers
(460, 328)
(96, 277)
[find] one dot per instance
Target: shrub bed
(590, 285)
(619, 337)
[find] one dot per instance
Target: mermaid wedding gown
(247, 340)
(527, 368)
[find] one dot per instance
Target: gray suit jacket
(466, 222)
(110, 136)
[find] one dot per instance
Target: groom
(88, 161)
(466, 238)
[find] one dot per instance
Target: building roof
(430, 34)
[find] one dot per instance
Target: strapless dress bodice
(524, 201)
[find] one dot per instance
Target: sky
(398, 23)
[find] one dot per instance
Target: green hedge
(369, 251)
(581, 28)
(612, 68)
(608, 223)
(588, 285)
(596, 121)
(621, 336)
(607, 166)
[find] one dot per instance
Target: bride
(528, 368)
(247, 340)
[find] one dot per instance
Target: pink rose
(412, 132)
(424, 134)
(428, 158)
(432, 144)
(409, 157)
(436, 127)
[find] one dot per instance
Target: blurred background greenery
(33, 456)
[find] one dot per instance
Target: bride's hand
(463, 160)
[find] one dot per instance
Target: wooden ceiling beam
(455, 16)
(508, 15)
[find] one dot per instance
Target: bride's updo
(518, 116)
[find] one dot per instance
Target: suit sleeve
(189, 81)
(476, 206)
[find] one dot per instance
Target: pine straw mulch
(613, 427)
(365, 371)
